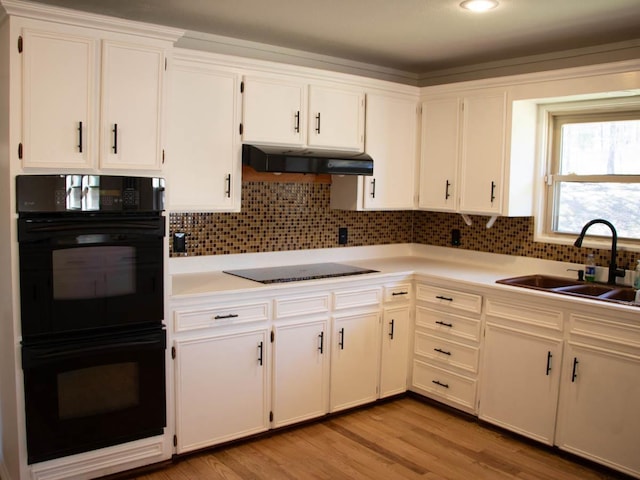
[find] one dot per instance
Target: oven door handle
(43, 353)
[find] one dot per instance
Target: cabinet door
(391, 142)
(354, 360)
(395, 351)
(520, 381)
(301, 372)
(132, 91)
(221, 388)
(58, 100)
(483, 153)
(336, 119)
(273, 112)
(599, 417)
(203, 154)
(440, 154)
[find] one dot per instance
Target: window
(593, 171)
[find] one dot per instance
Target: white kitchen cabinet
(520, 381)
(131, 108)
(203, 159)
(222, 387)
(58, 96)
(300, 371)
(391, 140)
(285, 112)
(355, 356)
(477, 153)
(598, 417)
(396, 323)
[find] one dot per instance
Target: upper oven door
(90, 273)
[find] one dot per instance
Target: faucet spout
(613, 268)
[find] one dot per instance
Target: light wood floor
(402, 439)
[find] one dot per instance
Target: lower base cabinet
(396, 323)
(222, 388)
(300, 371)
(354, 360)
(599, 415)
(520, 382)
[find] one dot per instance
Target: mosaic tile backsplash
(296, 216)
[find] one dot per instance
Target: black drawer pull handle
(448, 299)
(444, 323)
(321, 347)
(80, 137)
(446, 191)
(549, 356)
(115, 138)
(399, 293)
(260, 354)
(341, 342)
(438, 382)
(392, 324)
(297, 125)
(373, 188)
(439, 350)
(318, 123)
(228, 190)
(220, 317)
(574, 373)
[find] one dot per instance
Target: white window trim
(545, 112)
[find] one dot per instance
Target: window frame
(551, 117)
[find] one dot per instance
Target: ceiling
(420, 38)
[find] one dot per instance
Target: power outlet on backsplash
(179, 242)
(342, 236)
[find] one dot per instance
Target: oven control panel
(88, 193)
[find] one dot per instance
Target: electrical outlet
(455, 237)
(179, 242)
(342, 236)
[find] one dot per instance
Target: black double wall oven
(92, 309)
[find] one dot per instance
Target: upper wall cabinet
(477, 154)
(282, 112)
(58, 84)
(131, 101)
(91, 98)
(203, 148)
(392, 142)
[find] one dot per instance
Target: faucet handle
(580, 273)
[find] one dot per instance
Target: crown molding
(38, 11)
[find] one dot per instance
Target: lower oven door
(91, 392)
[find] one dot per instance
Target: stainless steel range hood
(304, 162)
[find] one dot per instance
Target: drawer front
(291, 307)
(356, 298)
(601, 330)
(185, 320)
(525, 313)
(397, 293)
(453, 299)
(445, 352)
(450, 387)
(449, 324)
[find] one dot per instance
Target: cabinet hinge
(271, 416)
(175, 440)
(273, 336)
(163, 156)
(241, 87)
(173, 352)
(20, 151)
(241, 129)
(20, 44)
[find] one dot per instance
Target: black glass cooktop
(296, 273)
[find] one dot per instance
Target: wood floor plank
(405, 439)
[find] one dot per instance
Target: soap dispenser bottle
(590, 268)
(636, 280)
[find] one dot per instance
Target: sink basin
(568, 286)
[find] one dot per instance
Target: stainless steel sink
(568, 286)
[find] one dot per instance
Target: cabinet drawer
(185, 320)
(605, 330)
(290, 307)
(397, 293)
(448, 324)
(439, 350)
(526, 313)
(468, 302)
(356, 298)
(445, 385)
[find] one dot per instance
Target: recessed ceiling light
(479, 5)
